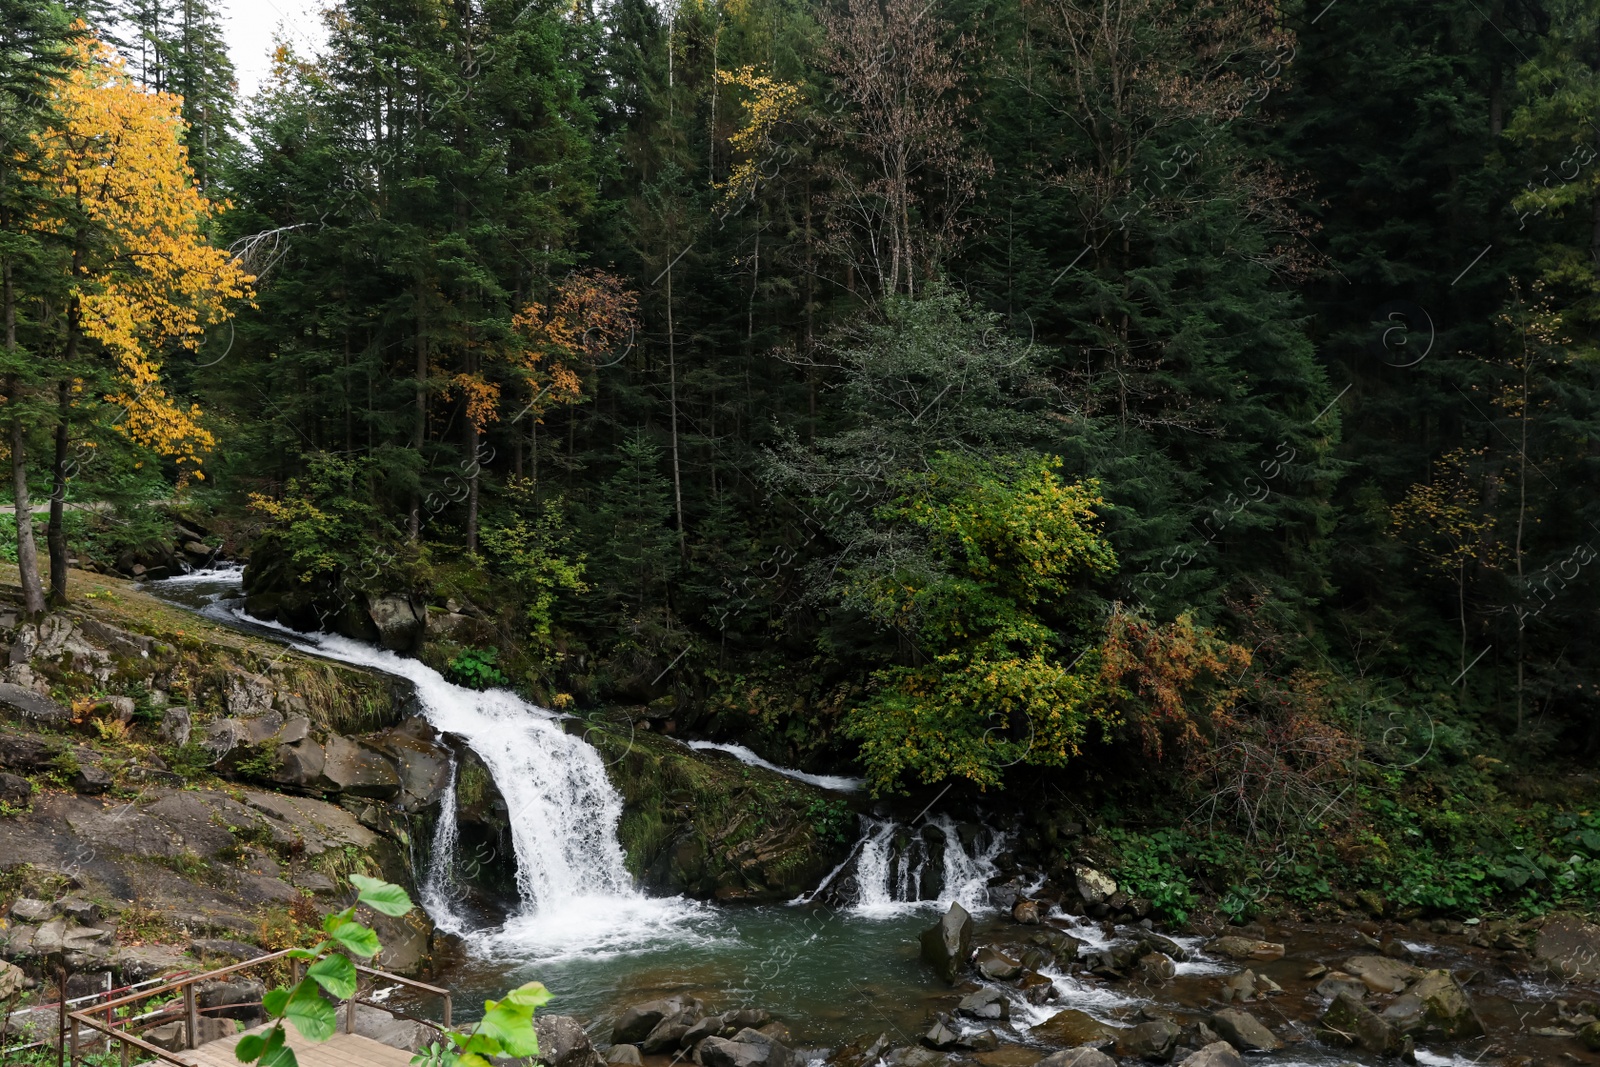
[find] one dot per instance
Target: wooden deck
(340, 1050)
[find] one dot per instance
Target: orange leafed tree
(145, 277)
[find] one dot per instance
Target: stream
(832, 972)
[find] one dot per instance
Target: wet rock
(667, 1036)
(1093, 886)
(1156, 967)
(754, 1018)
(1062, 947)
(1244, 1031)
(1078, 1057)
(1216, 1054)
(996, 965)
(635, 1024)
(983, 1041)
(945, 944)
(1590, 1036)
(627, 1055)
(354, 767)
(1569, 947)
(1036, 988)
(1075, 1028)
(1150, 941)
(1436, 1007)
(1335, 982)
(90, 780)
(1382, 974)
(1239, 988)
(563, 1042)
(710, 1026)
(1348, 1023)
(15, 791)
(915, 1056)
(941, 1037)
(1025, 912)
(1245, 948)
(986, 1003)
(1153, 1040)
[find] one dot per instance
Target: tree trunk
(27, 551)
(419, 425)
(56, 532)
(672, 404)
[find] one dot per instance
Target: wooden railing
(102, 1018)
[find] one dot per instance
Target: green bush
(476, 669)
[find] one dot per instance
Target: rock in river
(1078, 1057)
(1074, 1027)
(1348, 1022)
(1244, 1031)
(1436, 1007)
(1569, 947)
(996, 965)
(1245, 948)
(1216, 1054)
(945, 944)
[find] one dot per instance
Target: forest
(1180, 413)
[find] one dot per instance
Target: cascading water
(897, 867)
(562, 812)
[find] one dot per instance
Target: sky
(251, 26)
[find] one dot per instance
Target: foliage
(475, 668)
(535, 554)
(1151, 868)
(321, 521)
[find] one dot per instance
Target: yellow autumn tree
(142, 280)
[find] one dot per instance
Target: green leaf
(334, 920)
(472, 1059)
(511, 1025)
(274, 1001)
(381, 896)
(313, 1016)
(249, 1048)
(531, 995)
(357, 939)
(336, 974)
(268, 1048)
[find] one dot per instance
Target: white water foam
(838, 783)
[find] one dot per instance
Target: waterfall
(899, 867)
(563, 812)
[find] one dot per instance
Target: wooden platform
(340, 1050)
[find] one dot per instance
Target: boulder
(1349, 1023)
(1036, 988)
(668, 1034)
(1026, 912)
(1156, 967)
(987, 1003)
(90, 780)
(563, 1042)
(1435, 1008)
(1150, 941)
(941, 1037)
(1569, 947)
(1244, 1031)
(946, 943)
(15, 791)
(1335, 982)
(219, 948)
(626, 1055)
(996, 965)
(747, 1048)
(1589, 1034)
(236, 998)
(400, 623)
(1239, 987)
(635, 1024)
(1073, 1027)
(386, 1028)
(29, 910)
(1216, 1054)
(916, 1056)
(1094, 886)
(1245, 948)
(1153, 1040)
(176, 725)
(300, 763)
(1063, 948)
(1078, 1057)
(30, 706)
(80, 910)
(26, 754)
(1382, 974)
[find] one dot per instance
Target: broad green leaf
(313, 1016)
(512, 1026)
(274, 1001)
(334, 973)
(381, 896)
(478, 1043)
(358, 939)
(307, 953)
(472, 1059)
(249, 1048)
(334, 920)
(272, 1052)
(531, 995)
